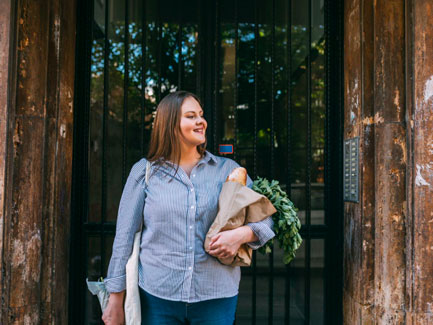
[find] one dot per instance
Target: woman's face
(192, 123)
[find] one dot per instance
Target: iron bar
(308, 176)
(216, 76)
(143, 74)
(328, 164)
(235, 100)
(179, 35)
(289, 147)
(256, 71)
(104, 136)
(198, 89)
(271, 255)
(104, 129)
(125, 94)
(159, 49)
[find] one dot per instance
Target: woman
(179, 282)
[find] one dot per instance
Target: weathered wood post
(389, 104)
(390, 161)
(359, 225)
(419, 249)
(35, 179)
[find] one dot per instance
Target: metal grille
(264, 72)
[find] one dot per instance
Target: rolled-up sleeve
(262, 229)
(129, 218)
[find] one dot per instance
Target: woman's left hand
(225, 244)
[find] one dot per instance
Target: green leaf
(286, 222)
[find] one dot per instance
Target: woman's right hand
(114, 313)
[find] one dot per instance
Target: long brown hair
(165, 137)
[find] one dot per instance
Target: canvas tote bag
(132, 299)
(132, 305)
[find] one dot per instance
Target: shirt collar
(208, 157)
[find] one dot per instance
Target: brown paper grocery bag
(237, 206)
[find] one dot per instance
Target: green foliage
(286, 222)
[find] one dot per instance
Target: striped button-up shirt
(177, 215)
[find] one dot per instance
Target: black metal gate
(269, 75)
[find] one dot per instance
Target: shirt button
(190, 227)
(192, 207)
(193, 175)
(192, 190)
(189, 268)
(190, 247)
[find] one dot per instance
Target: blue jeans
(155, 311)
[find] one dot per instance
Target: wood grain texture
(375, 111)
(6, 37)
(420, 250)
(39, 158)
(352, 116)
(390, 162)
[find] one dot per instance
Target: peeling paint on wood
(419, 179)
(378, 119)
(428, 90)
(419, 250)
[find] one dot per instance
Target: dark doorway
(269, 76)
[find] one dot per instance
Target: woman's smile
(200, 130)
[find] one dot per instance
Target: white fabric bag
(132, 304)
(97, 288)
(132, 299)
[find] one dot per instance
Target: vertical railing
(271, 255)
(256, 72)
(143, 74)
(327, 162)
(216, 77)
(289, 146)
(179, 72)
(308, 178)
(236, 95)
(125, 93)
(199, 52)
(107, 50)
(159, 49)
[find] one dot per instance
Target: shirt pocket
(208, 194)
(165, 201)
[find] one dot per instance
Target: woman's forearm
(117, 297)
(247, 235)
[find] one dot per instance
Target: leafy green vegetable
(286, 222)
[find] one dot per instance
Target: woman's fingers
(213, 240)
(221, 253)
(223, 245)
(216, 251)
